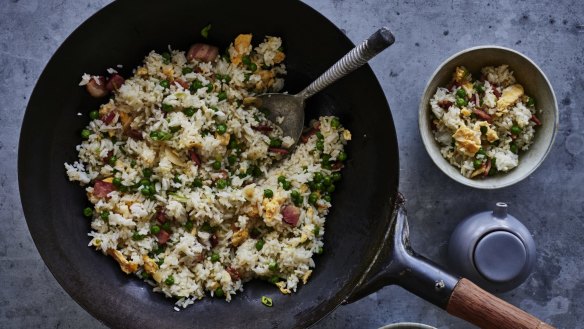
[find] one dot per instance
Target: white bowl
(407, 325)
(535, 83)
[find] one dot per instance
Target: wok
(366, 243)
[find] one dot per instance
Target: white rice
(482, 126)
(198, 208)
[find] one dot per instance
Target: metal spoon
(291, 107)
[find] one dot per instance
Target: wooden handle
(473, 304)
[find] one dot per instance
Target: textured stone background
(550, 202)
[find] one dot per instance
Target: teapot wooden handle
(473, 304)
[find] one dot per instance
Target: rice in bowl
(483, 126)
(191, 188)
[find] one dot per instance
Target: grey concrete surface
(550, 202)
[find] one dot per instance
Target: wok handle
(358, 56)
(473, 304)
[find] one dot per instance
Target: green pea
(222, 96)
(219, 292)
(85, 133)
(274, 279)
(221, 183)
(327, 181)
(320, 250)
(479, 88)
(154, 229)
(318, 186)
(196, 85)
(286, 185)
(318, 177)
(215, 257)
(319, 135)
(216, 165)
(484, 129)
(209, 87)
(189, 225)
(232, 144)
(112, 160)
(481, 151)
(312, 198)
(206, 227)
(336, 176)
(167, 107)
(260, 244)
(515, 130)
(105, 215)
(189, 111)
(186, 70)
(320, 145)
(166, 226)
(246, 77)
(246, 60)
(331, 189)
(477, 163)
(275, 142)
(133, 163)
(117, 181)
(335, 123)
(342, 156)
(252, 67)
(268, 193)
(461, 93)
(221, 128)
(281, 179)
(273, 266)
(169, 280)
(160, 261)
(137, 236)
(530, 102)
(166, 56)
(316, 231)
(513, 148)
(93, 115)
(165, 83)
(174, 129)
(460, 102)
(232, 159)
(197, 182)
(327, 198)
(87, 212)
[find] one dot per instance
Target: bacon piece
(337, 165)
(182, 83)
(194, 157)
(445, 104)
(214, 240)
(108, 118)
(487, 168)
(496, 91)
(160, 215)
(135, 134)
(162, 237)
(114, 82)
(262, 128)
(278, 150)
(535, 119)
(233, 273)
(101, 189)
(290, 214)
(483, 115)
(202, 52)
(95, 89)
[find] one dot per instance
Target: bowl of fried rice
(488, 117)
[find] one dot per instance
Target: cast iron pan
(365, 242)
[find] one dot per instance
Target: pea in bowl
(488, 117)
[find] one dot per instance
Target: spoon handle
(358, 56)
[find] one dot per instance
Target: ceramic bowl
(535, 83)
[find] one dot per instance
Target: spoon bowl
(287, 111)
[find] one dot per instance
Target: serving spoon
(287, 111)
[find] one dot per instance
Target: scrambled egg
(126, 266)
(468, 141)
(271, 208)
(460, 74)
(241, 45)
(491, 133)
(510, 95)
(239, 237)
(222, 138)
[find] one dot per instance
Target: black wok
(366, 239)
